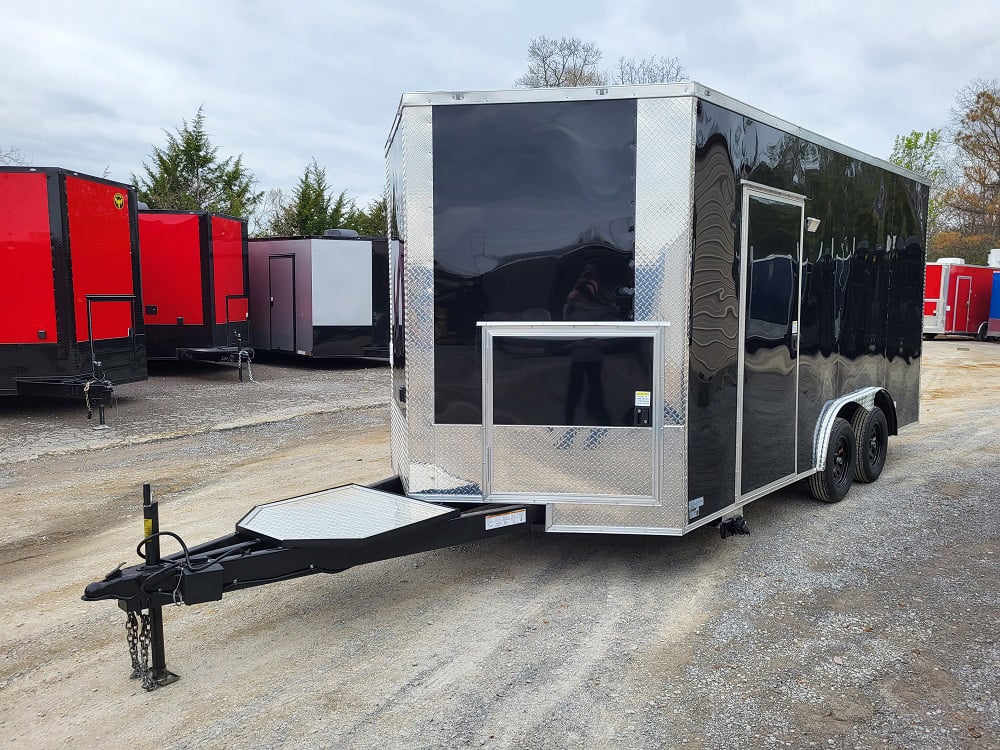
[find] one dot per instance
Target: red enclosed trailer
(70, 322)
(956, 299)
(194, 285)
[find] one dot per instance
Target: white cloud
(89, 86)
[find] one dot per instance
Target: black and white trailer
(621, 310)
(323, 296)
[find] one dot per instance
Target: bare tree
(13, 157)
(974, 195)
(567, 61)
(647, 70)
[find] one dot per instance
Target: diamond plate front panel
(561, 460)
(458, 452)
(633, 519)
(663, 219)
(418, 209)
(349, 512)
(398, 442)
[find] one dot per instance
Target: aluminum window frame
(560, 329)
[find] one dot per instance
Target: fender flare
(865, 398)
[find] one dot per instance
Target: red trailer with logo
(957, 299)
(194, 285)
(70, 322)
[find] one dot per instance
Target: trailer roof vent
(951, 261)
(340, 233)
(141, 206)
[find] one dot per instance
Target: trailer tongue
(323, 532)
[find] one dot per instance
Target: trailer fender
(845, 406)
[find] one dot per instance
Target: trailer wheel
(871, 434)
(930, 336)
(982, 332)
(831, 484)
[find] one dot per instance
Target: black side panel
(380, 296)
(163, 341)
(859, 303)
(715, 328)
(534, 213)
(346, 341)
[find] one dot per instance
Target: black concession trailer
(618, 310)
(195, 286)
(321, 296)
(70, 302)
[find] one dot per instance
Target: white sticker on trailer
(642, 398)
(510, 518)
(694, 507)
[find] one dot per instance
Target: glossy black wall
(860, 316)
(531, 201)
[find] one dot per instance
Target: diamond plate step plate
(344, 513)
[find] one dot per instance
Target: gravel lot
(867, 624)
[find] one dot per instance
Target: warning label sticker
(694, 507)
(510, 518)
(642, 398)
(119, 201)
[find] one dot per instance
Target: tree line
(187, 172)
(962, 161)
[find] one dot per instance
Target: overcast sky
(90, 86)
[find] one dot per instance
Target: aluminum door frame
(556, 330)
(270, 307)
(968, 306)
(753, 189)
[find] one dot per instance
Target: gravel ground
(867, 624)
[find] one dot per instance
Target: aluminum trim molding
(652, 91)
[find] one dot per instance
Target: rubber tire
(982, 332)
(930, 336)
(825, 484)
(866, 425)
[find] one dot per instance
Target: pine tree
(187, 175)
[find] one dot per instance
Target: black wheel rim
(875, 445)
(841, 460)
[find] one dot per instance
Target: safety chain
(132, 636)
(86, 398)
(138, 646)
(244, 356)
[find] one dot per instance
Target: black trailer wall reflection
(868, 250)
(534, 214)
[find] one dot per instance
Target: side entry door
(767, 410)
(281, 288)
(963, 304)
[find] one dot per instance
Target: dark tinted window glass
(569, 381)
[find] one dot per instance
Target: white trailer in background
(320, 296)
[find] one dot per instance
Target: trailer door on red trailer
(101, 254)
(170, 248)
(27, 294)
(229, 269)
(960, 303)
